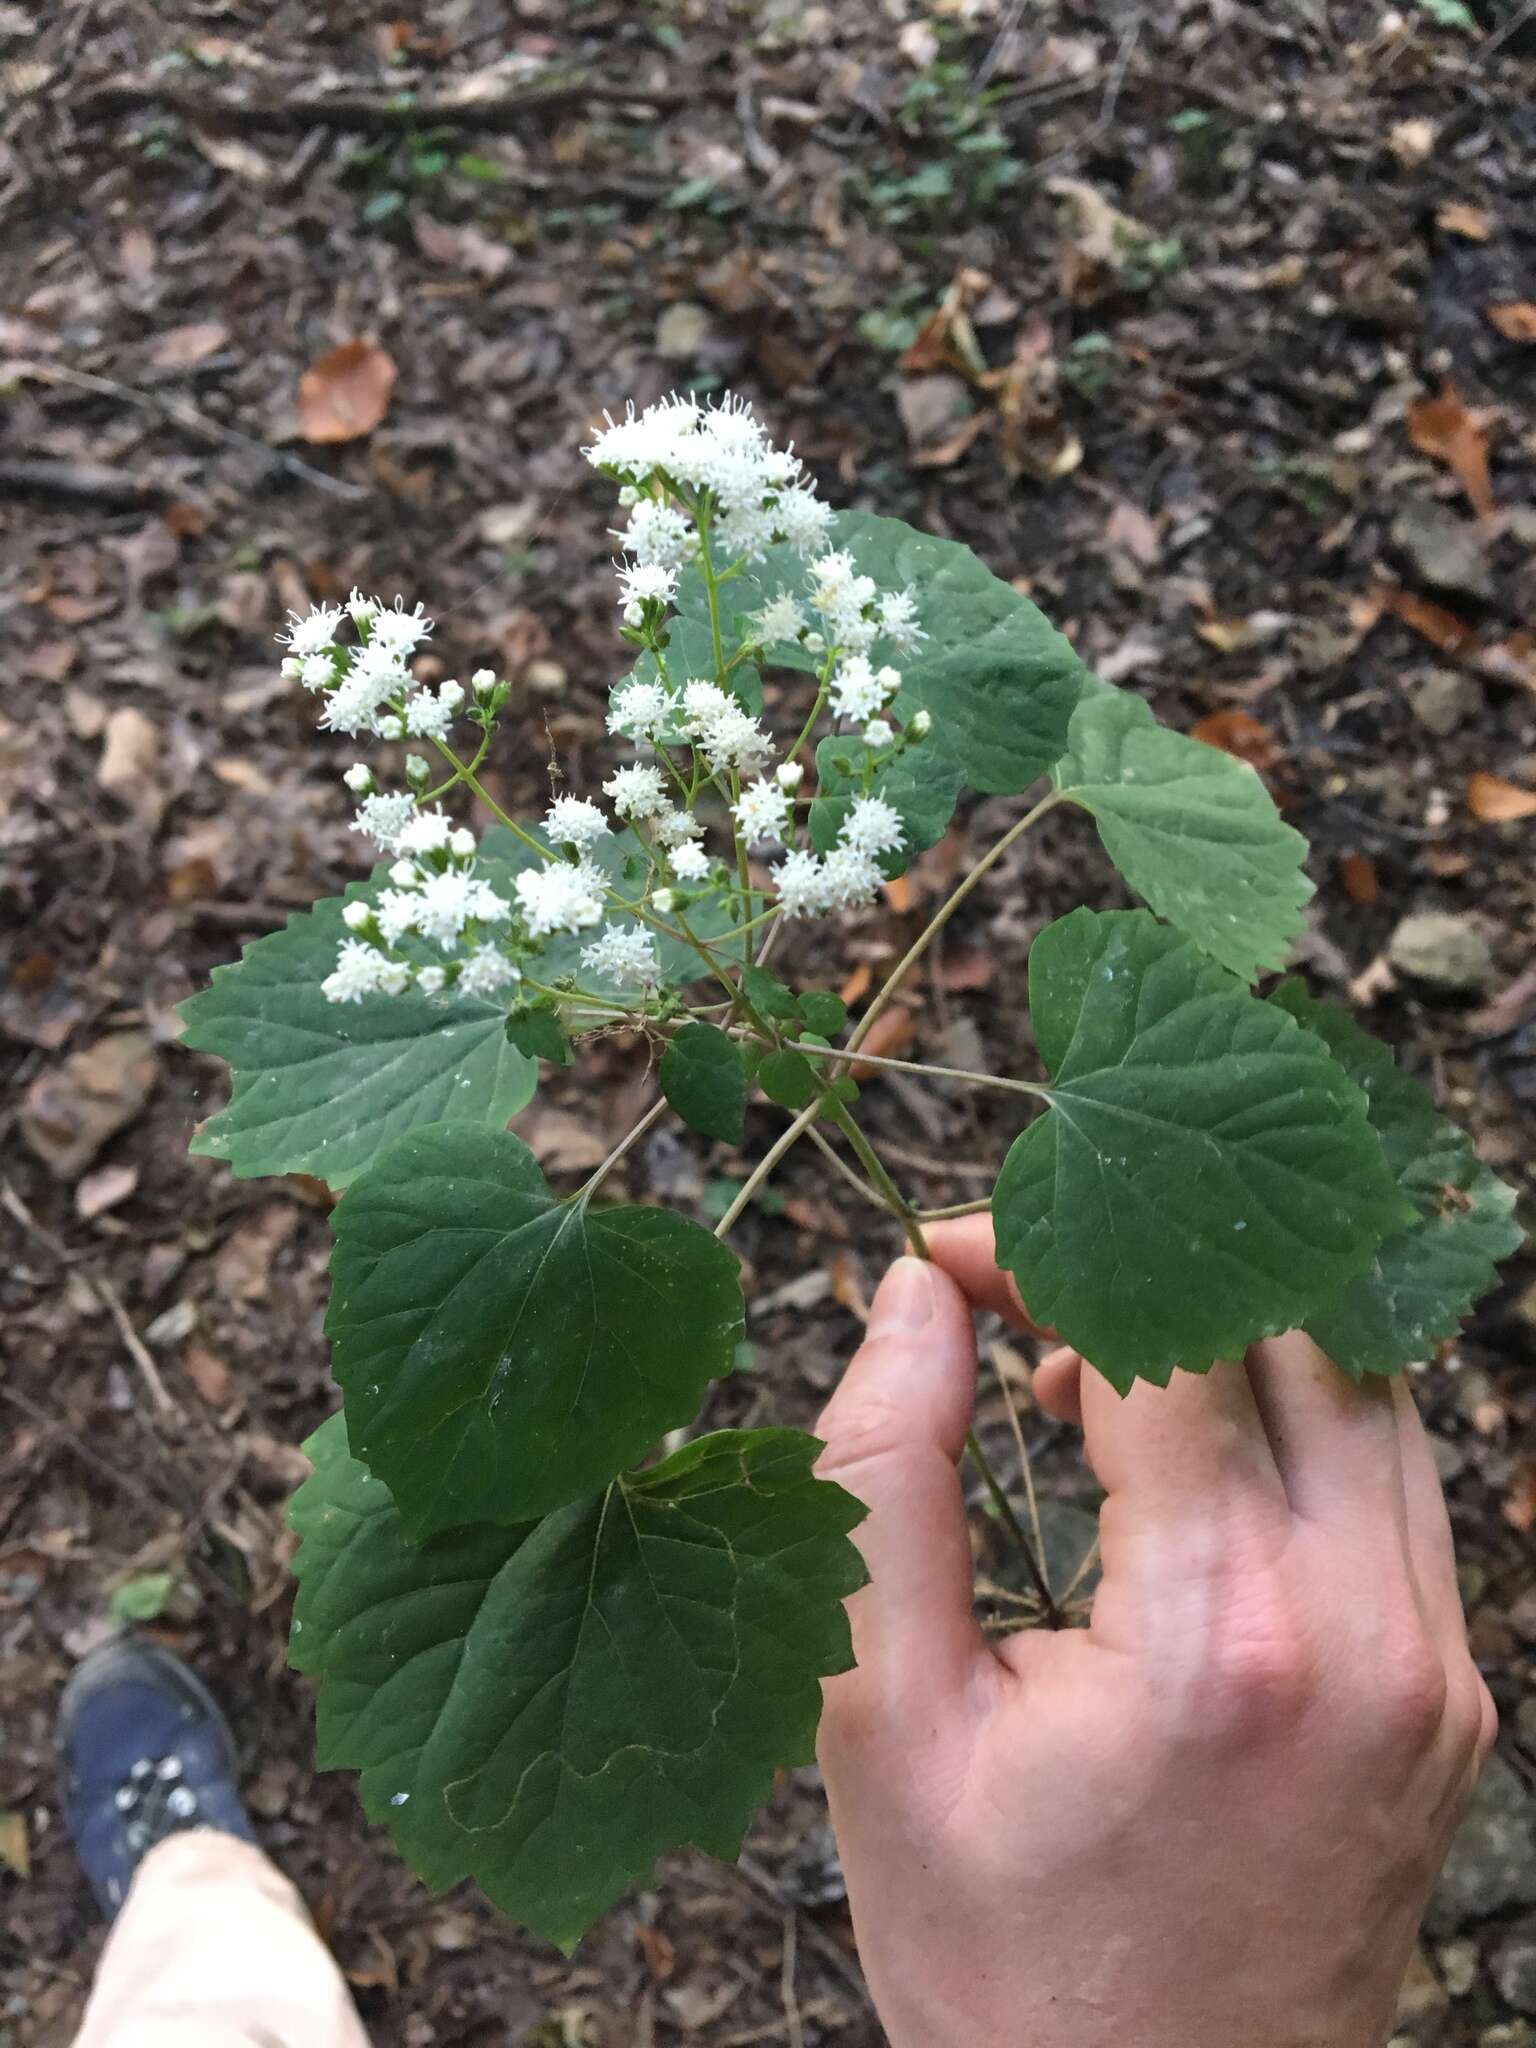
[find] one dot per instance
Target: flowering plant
(550, 1654)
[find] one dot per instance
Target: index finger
(964, 1247)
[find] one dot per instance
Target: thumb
(894, 1431)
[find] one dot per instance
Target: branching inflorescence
(550, 1655)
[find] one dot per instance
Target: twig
(976, 1208)
(133, 1343)
(356, 107)
(787, 1981)
(1013, 14)
(195, 422)
(830, 1153)
(590, 1186)
(1511, 27)
(817, 1936)
(91, 482)
(1013, 1525)
(1104, 119)
(871, 1059)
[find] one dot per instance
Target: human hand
(1213, 1817)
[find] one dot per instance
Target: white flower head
(878, 734)
(398, 630)
(383, 817)
(658, 535)
(318, 671)
(780, 620)
(572, 821)
(790, 775)
(897, 611)
(860, 692)
(689, 862)
(644, 584)
(872, 826)
(427, 832)
(802, 518)
(361, 970)
(625, 954)
(431, 980)
(801, 885)
(557, 898)
(362, 609)
(640, 711)
(675, 828)
(428, 716)
(850, 877)
(486, 970)
(637, 792)
(313, 634)
(762, 811)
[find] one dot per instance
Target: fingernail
(903, 1302)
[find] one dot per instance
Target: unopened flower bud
(451, 694)
(462, 843)
(416, 770)
(357, 916)
(403, 874)
(359, 779)
(919, 725)
(664, 900)
(483, 681)
(391, 729)
(790, 775)
(293, 668)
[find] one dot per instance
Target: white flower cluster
(849, 874)
(720, 460)
(367, 684)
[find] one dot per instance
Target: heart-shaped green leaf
(703, 1079)
(998, 680)
(1192, 830)
(547, 1709)
(322, 1087)
(1206, 1174)
(1423, 1280)
(501, 1352)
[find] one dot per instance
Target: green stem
(589, 1187)
(467, 775)
(770, 1159)
(839, 1165)
(872, 1164)
(954, 1209)
(1011, 1522)
(870, 1059)
(942, 915)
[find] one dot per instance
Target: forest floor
(1235, 373)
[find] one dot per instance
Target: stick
(40, 477)
(195, 422)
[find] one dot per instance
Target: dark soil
(1211, 463)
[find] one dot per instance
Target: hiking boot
(144, 1753)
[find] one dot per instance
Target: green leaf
(144, 1598)
(998, 679)
(322, 1087)
(920, 782)
(1206, 1174)
(1450, 14)
(767, 994)
(547, 1709)
(502, 1352)
(538, 1034)
(703, 1079)
(823, 1011)
(1192, 830)
(1424, 1279)
(789, 1079)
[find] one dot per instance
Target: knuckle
(1264, 1666)
(858, 1429)
(1412, 1689)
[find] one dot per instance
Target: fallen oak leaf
(1442, 628)
(346, 393)
(1445, 430)
(1494, 801)
(1241, 735)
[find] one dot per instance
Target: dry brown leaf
(1496, 801)
(104, 1189)
(460, 248)
(1237, 636)
(848, 1284)
(1520, 1501)
(1440, 627)
(1129, 529)
(14, 1851)
(208, 1373)
(1358, 874)
(1470, 222)
(947, 340)
(1515, 319)
(180, 347)
(137, 255)
(856, 987)
(1238, 733)
(1444, 429)
(129, 750)
(228, 153)
(71, 1110)
(346, 393)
